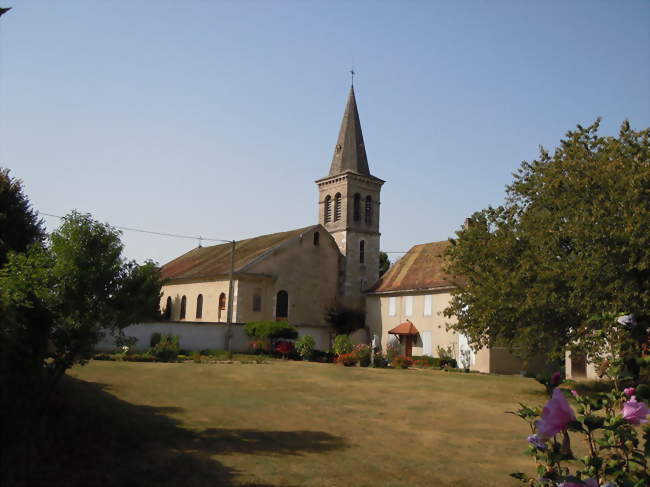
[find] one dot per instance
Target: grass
(286, 424)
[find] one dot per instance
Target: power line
(151, 232)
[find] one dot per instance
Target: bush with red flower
(260, 346)
(347, 359)
(401, 362)
(285, 348)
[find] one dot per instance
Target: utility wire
(163, 234)
(203, 239)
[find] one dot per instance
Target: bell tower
(348, 202)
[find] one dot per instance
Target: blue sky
(215, 118)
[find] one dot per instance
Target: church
(295, 275)
(298, 275)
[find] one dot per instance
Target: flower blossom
(627, 320)
(635, 412)
(588, 482)
(575, 393)
(537, 442)
(629, 391)
(555, 416)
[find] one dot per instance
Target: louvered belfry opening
(337, 207)
(328, 209)
(368, 216)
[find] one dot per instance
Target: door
(408, 345)
(282, 306)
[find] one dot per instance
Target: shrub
(260, 346)
(196, 357)
(347, 359)
(380, 361)
(324, 357)
(155, 339)
(271, 330)
(342, 345)
(285, 348)
(345, 320)
(363, 353)
(426, 361)
(102, 356)
(305, 347)
(392, 351)
(260, 359)
(166, 350)
(448, 363)
(401, 362)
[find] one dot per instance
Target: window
(427, 305)
(328, 209)
(257, 300)
(392, 306)
(362, 251)
(356, 214)
(363, 284)
(167, 315)
(408, 305)
(368, 215)
(183, 307)
(222, 305)
(337, 207)
(282, 306)
(199, 306)
(316, 238)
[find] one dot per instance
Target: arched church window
(167, 315)
(183, 307)
(368, 215)
(356, 214)
(337, 207)
(316, 238)
(199, 306)
(282, 306)
(362, 251)
(328, 209)
(222, 305)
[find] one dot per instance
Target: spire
(350, 153)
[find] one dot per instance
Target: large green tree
(19, 224)
(59, 299)
(571, 241)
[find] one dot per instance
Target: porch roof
(406, 328)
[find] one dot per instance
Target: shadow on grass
(90, 437)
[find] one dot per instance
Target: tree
(63, 297)
(19, 224)
(384, 263)
(571, 241)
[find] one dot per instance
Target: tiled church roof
(420, 268)
(213, 261)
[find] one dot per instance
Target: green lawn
(294, 424)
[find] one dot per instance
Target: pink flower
(635, 412)
(587, 482)
(575, 393)
(555, 416)
(629, 391)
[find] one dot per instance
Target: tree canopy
(384, 263)
(19, 224)
(571, 241)
(59, 299)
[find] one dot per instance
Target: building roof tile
(422, 267)
(214, 261)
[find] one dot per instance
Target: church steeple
(350, 152)
(348, 208)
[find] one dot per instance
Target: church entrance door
(282, 306)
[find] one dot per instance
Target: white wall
(199, 336)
